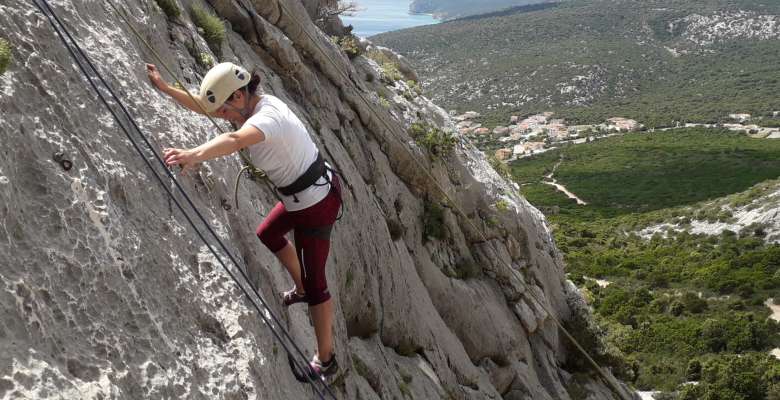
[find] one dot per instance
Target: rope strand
(254, 171)
(77, 55)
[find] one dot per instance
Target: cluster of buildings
(536, 133)
(743, 123)
(541, 132)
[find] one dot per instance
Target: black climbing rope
(274, 324)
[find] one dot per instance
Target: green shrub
(390, 73)
(592, 337)
(433, 221)
(466, 269)
(693, 303)
(501, 167)
(206, 60)
(502, 205)
(693, 372)
(349, 279)
(415, 87)
(747, 377)
(360, 367)
(408, 95)
(5, 55)
(349, 44)
(213, 28)
(170, 8)
(390, 68)
(438, 143)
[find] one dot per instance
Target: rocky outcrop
(108, 293)
(753, 212)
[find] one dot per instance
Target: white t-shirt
(287, 151)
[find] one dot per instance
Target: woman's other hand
(155, 77)
(187, 159)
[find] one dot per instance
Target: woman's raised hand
(182, 157)
(155, 77)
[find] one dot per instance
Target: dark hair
(254, 83)
(253, 86)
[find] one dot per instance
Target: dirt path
(775, 316)
(553, 182)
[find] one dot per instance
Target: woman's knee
(316, 294)
(270, 239)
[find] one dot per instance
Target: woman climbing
(279, 144)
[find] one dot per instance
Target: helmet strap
(247, 111)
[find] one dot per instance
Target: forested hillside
(448, 9)
(656, 61)
(677, 251)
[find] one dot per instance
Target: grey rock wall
(106, 292)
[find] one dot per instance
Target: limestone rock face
(107, 292)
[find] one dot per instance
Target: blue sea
(378, 16)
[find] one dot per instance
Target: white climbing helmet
(219, 83)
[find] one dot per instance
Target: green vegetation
(5, 55)
(499, 166)
(349, 278)
(170, 8)
(641, 172)
(212, 26)
(750, 377)
(403, 385)
(360, 367)
(433, 222)
(773, 122)
(390, 68)
(679, 306)
(415, 87)
(438, 143)
(206, 60)
(502, 205)
(349, 44)
(589, 60)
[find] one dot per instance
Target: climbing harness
(265, 312)
(371, 106)
(312, 174)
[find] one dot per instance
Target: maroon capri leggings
(312, 238)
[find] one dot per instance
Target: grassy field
(680, 302)
(642, 172)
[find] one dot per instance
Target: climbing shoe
(291, 297)
(324, 369)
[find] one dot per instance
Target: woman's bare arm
(222, 145)
(179, 95)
